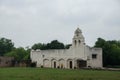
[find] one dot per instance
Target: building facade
(77, 56)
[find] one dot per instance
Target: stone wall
(6, 61)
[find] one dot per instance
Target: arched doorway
(54, 64)
(46, 63)
(61, 63)
(70, 64)
(81, 63)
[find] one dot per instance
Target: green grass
(56, 74)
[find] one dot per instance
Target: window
(79, 41)
(75, 42)
(43, 56)
(94, 56)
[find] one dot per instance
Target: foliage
(6, 45)
(19, 54)
(56, 74)
(111, 51)
(52, 45)
(39, 46)
(55, 45)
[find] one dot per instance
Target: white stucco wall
(64, 57)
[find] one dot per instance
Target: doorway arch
(46, 63)
(70, 63)
(81, 63)
(54, 64)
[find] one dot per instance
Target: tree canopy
(55, 44)
(6, 45)
(19, 54)
(111, 51)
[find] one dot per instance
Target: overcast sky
(26, 22)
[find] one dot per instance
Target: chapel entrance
(70, 64)
(54, 64)
(81, 63)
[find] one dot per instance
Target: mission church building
(77, 56)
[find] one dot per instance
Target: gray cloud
(30, 21)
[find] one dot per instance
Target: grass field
(56, 74)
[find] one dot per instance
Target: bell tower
(78, 45)
(78, 38)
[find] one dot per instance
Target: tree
(55, 45)
(6, 45)
(39, 46)
(111, 51)
(100, 42)
(52, 45)
(19, 54)
(27, 57)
